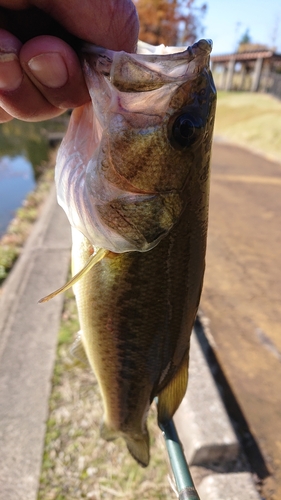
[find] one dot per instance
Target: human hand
(40, 74)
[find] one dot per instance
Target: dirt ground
(242, 289)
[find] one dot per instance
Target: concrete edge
(203, 424)
(16, 281)
(28, 338)
(239, 486)
(207, 434)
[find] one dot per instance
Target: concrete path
(28, 334)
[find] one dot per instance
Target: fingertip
(50, 61)
(55, 69)
(11, 74)
(45, 44)
(49, 69)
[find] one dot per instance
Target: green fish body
(133, 177)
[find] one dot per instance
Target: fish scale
(136, 193)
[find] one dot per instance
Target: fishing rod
(183, 479)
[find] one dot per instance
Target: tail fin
(137, 444)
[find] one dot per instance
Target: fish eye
(185, 130)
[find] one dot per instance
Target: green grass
(8, 255)
(251, 120)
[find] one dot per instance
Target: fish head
(156, 116)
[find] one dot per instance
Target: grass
(251, 120)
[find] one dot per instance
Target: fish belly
(136, 312)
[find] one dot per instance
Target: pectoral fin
(171, 396)
(94, 259)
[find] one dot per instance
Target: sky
(227, 21)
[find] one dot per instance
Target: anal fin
(137, 443)
(171, 396)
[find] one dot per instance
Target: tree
(246, 38)
(171, 22)
(247, 45)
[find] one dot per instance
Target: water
(16, 181)
(24, 147)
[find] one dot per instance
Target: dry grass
(77, 463)
(250, 119)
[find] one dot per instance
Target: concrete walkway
(28, 336)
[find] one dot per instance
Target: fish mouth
(147, 70)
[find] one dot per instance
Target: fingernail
(11, 74)
(49, 69)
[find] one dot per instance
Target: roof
(247, 56)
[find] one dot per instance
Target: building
(253, 70)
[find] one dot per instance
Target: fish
(132, 175)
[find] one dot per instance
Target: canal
(24, 150)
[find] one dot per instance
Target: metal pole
(183, 479)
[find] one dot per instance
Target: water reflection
(24, 149)
(16, 180)
(26, 139)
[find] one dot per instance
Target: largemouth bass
(132, 175)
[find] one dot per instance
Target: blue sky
(226, 21)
